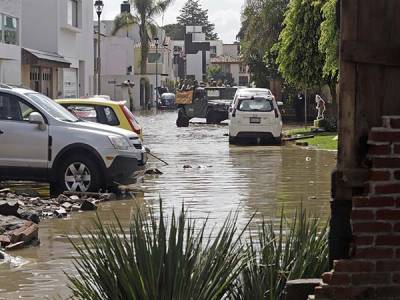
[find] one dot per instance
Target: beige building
(232, 65)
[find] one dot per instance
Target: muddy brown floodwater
(222, 178)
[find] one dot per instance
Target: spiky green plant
(297, 249)
(156, 261)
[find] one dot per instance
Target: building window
(213, 51)
(9, 30)
(72, 13)
(152, 58)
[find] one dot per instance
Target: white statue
(320, 107)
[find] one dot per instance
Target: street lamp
(156, 42)
(99, 9)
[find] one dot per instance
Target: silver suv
(41, 141)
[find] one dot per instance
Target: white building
(10, 41)
(120, 62)
(194, 55)
(57, 41)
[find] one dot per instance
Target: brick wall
(373, 272)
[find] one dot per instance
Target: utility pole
(99, 9)
(156, 41)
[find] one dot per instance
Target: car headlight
(119, 142)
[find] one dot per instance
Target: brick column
(373, 272)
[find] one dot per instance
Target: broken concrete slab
(87, 205)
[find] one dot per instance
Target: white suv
(254, 113)
(41, 141)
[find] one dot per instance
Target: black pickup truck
(211, 103)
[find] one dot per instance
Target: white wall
(10, 72)
(219, 45)
(45, 28)
(85, 45)
(194, 63)
(132, 32)
(117, 54)
(40, 25)
(235, 72)
(231, 50)
(10, 55)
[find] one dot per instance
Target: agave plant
(297, 249)
(156, 261)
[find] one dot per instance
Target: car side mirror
(280, 103)
(36, 118)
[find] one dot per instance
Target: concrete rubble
(20, 214)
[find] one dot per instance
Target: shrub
(155, 261)
(297, 249)
(179, 262)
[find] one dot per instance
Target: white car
(42, 141)
(255, 114)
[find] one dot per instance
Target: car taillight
(131, 119)
(276, 113)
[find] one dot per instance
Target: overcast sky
(225, 14)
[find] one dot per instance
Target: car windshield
(168, 97)
(221, 93)
(255, 104)
(52, 108)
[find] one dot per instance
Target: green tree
(329, 46)
(145, 12)
(193, 14)
(299, 59)
(257, 45)
(213, 70)
(175, 31)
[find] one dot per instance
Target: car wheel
(183, 120)
(222, 116)
(78, 174)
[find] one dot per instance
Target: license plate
(255, 120)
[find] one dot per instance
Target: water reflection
(221, 179)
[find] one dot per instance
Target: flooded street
(216, 180)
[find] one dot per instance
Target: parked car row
(43, 141)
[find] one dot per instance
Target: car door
(23, 145)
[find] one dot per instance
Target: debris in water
(302, 144)
(153, 172)
(187, 167)
(308, 158)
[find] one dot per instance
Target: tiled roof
(225, 59)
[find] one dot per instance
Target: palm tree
(146, 11)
